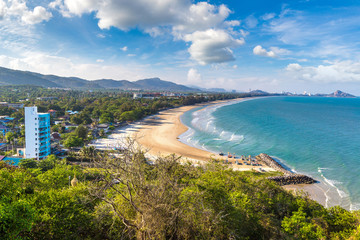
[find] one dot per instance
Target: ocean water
(316, 136)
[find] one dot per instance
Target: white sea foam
(342, 194)
(354, 206)
(333, 184)
(194, 121)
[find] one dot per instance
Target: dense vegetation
(126, 198)
(93, 107)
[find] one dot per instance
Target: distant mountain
(157, 84)
(337, 93)
(258, 93)
(121, 84)
(215, 90)
(16, 77)
(341, 94)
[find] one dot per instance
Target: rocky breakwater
(288, 177)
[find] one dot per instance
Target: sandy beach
(158, 135)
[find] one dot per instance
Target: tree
(76, 120)
(302, 227)
(128, 116)
(73, 141)
(47, 163)
(106, 118)
(10, 136)
(81, 132)
(88, 153)
(28, 163)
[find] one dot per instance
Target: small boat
(229, 155)
(221, 154)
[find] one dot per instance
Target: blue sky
(297, 46)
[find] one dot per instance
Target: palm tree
(88, 153)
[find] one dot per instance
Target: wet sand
(159, 136)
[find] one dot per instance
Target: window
(35, 133)
(35, 143)
(35, 149)
(35, 139)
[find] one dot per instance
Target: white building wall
(37, 133)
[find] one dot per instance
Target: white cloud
(292, 67)
(335, 72)
(17, 9)
(268, 16)
(212, 46)
(259, 50)
(183, 19)
(251, 21)
(202, 16)
(124, 49)
(61, 66)
(37, 16)
(100, 60)
(280, 51)
(2, 9)
(193, 76)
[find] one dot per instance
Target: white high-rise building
(37, 133)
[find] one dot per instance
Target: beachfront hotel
(37, 133)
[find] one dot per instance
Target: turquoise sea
(311, 135)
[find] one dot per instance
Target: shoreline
(159, 135)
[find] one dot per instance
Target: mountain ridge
(18, 77)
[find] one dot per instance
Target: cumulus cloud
(2, 9)
(18, 9)
(202, 16)
(280, 51)
(341, 71)
(259, 50)
(193, 76)
(203, 24)
(124, 14)
(37, 16)
(212, 46)
(124, 49)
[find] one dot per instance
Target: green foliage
(28, 163)
(302, 227)
(73, 141)
(47, 163)
(10, 136)
(106, 118)
(126, 198)
(81, 132)
(76, 120)
(63, 214)
(15, 218)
